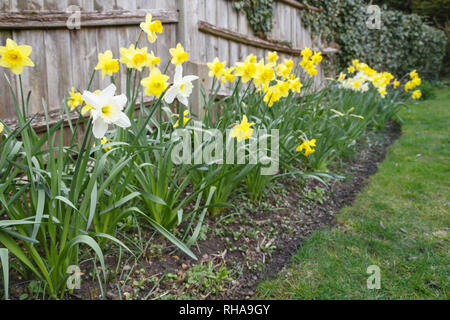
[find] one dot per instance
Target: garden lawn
(399, 223)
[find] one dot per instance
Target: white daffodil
(181, 88)
(107, 109)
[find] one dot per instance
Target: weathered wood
(208, 28)
(300, 6)
(50, 19)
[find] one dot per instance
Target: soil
(255, 244)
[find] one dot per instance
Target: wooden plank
(49, 19)
(233, 26)
(222, 21)
(244, 39)
(34, 79)
(59, 72)
(300, 6)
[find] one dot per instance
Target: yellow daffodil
(151, 28)
(251, 58)
(228, 75)
(306, 145)
(317, 58)
(272, 95)
(105, 141)
(178, 55)
(272, 57)
(283, 71)
(107, 64)
(155, 83)
(413, 74)
(74, 99)
(289, 64)
(135, 58)
(216, 68)
(341, 77)
(416, 81)
(185, 119)
(283, 88)
(153, 60)
(15, 57)
(295, 85)
(242, 131)
(246, 70)
(396, 84)
(306, 53)
(264, 73)
(409, 86)
(1, 127)
(351, 69)
(417, 94)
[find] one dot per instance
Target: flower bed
(166, 170)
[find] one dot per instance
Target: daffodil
(181, 88)
(151, 28)
(185, 119)
(396, 83)
(413, 74)
(283, 71)
(272, 57)
(216, 68)
(283, 88)
(155, 83)
(87, 107)
(153, 60)
(1, 127)
(178, 55)
(306, 53)
(351, 69)
(289, 64)
(295, 85)
(272, 95)
(228, 75)
(417, 94)
(15, 57)
(242, 131)
(264, 73)
(246, 70)
(107, 109)
(74, 99)
(341, 77)
(107, 64)
(306, 146)
(105, 141)
(317, 58)
(135, 58)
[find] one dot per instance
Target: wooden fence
(64, 58)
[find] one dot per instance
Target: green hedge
(404, 42)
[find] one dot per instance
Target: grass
(399, 223)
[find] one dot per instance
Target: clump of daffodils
(363, 77)
(310, 61)
(413, 83)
